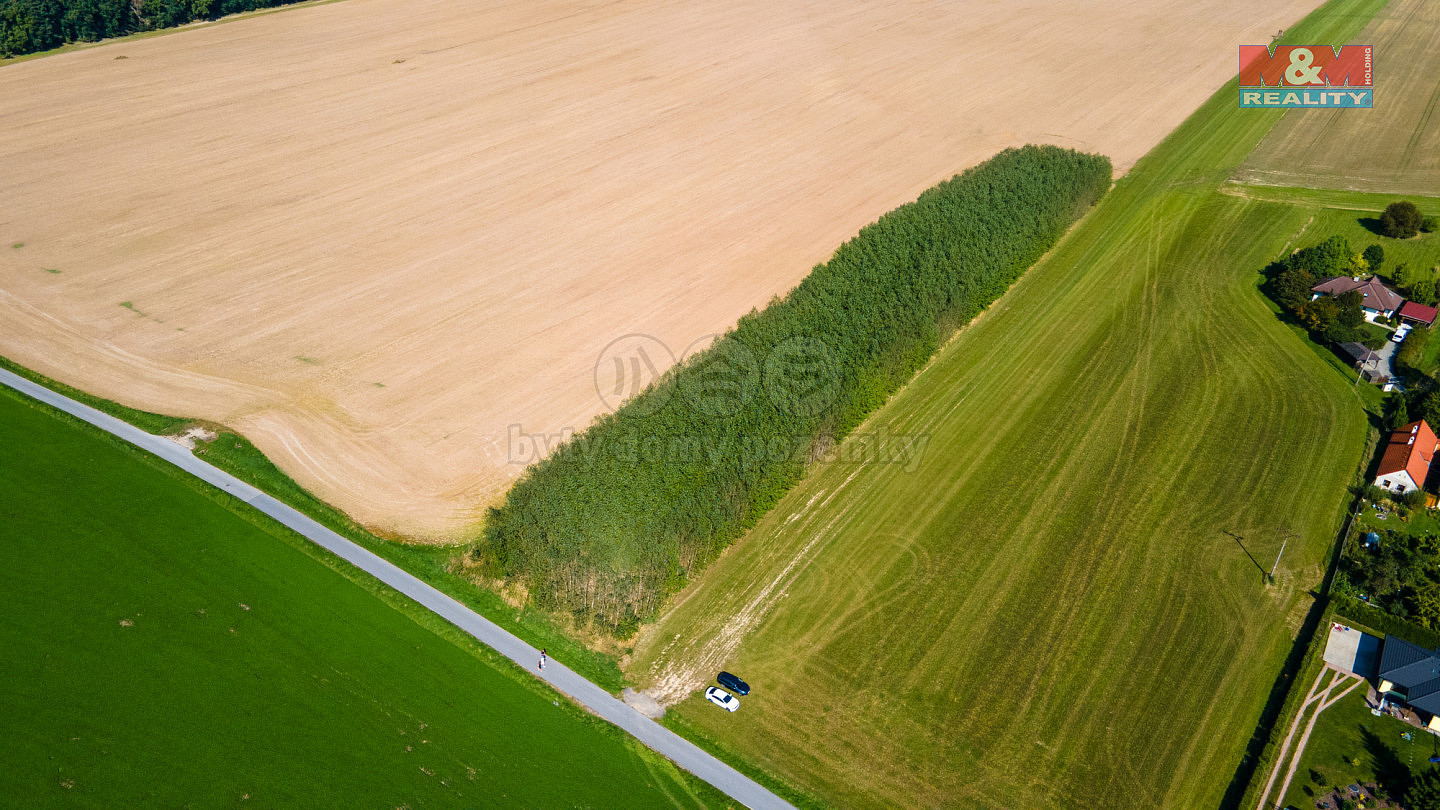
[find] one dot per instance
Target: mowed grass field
(1394, 147)
(1050, 610)
(163, 649)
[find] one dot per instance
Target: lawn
(1350, 746)
(1393, 148)
(1062, 603)
(166, 646)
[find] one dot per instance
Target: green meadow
(1063, 604)
(166, 646)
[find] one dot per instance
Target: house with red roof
(1417, 313)
(1407, 458)
(1377, 298)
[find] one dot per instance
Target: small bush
(1401, 220)
(1414, 499)
(1430, 224)
(1374, 256)
(1372, 341)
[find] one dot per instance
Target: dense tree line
(621, 515)
(27, 26)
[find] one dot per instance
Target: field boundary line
(663, 741)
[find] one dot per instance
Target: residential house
(1407, 458)
(1378, 299)
(1410, 674)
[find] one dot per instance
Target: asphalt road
(658, 738)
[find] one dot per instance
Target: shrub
(1414, 499)
(1352, 308)
(1400, 220)
(1424, 292)
(625, 512)
(1374, 256)
(1411, 353)
(1430, 224)
(1320, 314)
(1397, 413)
(1291, 287)
(1329, 258)
(1374, 341)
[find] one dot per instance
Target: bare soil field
(1394, 148)
(374, 236)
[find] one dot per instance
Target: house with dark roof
(1417, 314)
(1407, 458)
(1410, 674)
(1377, 298)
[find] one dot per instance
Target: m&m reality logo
(1306, 76)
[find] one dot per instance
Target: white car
(721, 698)
(1400, 332)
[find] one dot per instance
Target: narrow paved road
(660, 739)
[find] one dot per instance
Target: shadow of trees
(1392, 775)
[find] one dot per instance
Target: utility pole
(1360, 370)
(1273, 568)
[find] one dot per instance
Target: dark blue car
(733, 683)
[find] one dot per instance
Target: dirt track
(371, 235)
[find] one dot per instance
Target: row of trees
(623, 514)
(27, 26)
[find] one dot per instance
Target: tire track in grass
(678, 680)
